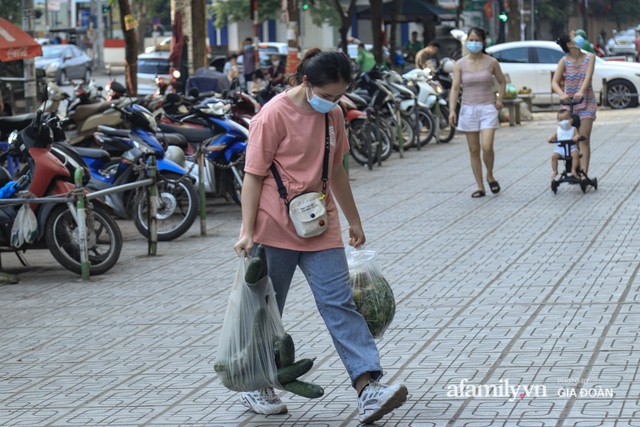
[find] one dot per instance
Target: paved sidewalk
(504, 304)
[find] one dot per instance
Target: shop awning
(15, 44)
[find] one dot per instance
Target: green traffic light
(503, 17)
(305, 6)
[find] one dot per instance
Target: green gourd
(304, 389)
(291, 372)
(285, 351)
(257, 268)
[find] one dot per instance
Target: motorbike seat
(176, 139)
(84, 111)
(10, 123)
(93, 153)
(108, 130)
(195, 135)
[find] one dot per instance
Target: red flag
(488, 9)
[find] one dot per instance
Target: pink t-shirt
(293, 138)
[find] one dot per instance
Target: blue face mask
(321, 105)
(579, 41)
(474, 47)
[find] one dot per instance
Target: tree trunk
(141, 16)
(396, 5)
(345, 21)
(293, 17)
(376, 20)
(199, 27)
(130, 48)
(514, 21)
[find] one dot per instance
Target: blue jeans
(328, 275)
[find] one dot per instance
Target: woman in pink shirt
(480, 107)
(289, 132)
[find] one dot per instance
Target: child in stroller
(567, 138)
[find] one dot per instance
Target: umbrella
(16, 44)
(410, 11)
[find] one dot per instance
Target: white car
(150, 66)
(532, 64)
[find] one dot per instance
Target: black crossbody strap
(282, 191)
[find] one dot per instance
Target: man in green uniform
(365, 59)
(412, 47)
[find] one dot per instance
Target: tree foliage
(12, 11)
(238, 10)
(624, 12)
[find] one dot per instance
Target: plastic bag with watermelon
(371, 292)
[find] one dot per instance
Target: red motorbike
(49, 172)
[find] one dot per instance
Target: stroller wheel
(583, 185)
(594, 182)
(554, 186)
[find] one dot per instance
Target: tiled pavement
(526, 291)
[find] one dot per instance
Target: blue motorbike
(223, 140)
(122, 159)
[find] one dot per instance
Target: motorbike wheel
(360, 141)
(177, 207)
(234, 186)
(427, 127)
(406, 132)
(447, 132)
(104, 239)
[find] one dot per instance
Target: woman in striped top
(576, 67)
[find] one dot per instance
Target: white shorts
(474, 118)
(560, 149)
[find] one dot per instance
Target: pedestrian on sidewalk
(478, 119)
(289, 133)
(248, 60)
(576, 68)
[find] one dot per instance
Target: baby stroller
(565, 176)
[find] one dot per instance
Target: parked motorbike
(49, 173)
(223, 140)
(122, 159)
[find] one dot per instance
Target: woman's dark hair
(323, 67)
(482, 33)
(563, 41)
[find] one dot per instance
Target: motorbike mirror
(172, 98)
(194, 92)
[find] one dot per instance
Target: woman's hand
(564, 98)
(499, 105)
(453, 118)
(356, 236)
(578, 96)
(244, 244)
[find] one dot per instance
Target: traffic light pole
(503, 22)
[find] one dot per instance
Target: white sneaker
(263, 401)
(378, 400)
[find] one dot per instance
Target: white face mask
(565, 124)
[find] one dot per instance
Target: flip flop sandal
(477, 194)
(494, 186)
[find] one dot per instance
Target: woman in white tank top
(480, 107)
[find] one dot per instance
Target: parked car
(622, 43)
(62, 62)
(150, 66)
(532, 64)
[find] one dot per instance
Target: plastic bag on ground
(25, 227)
(245, 358)
(371, 292)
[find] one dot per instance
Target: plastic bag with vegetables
(371, 292)
(245, 359)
